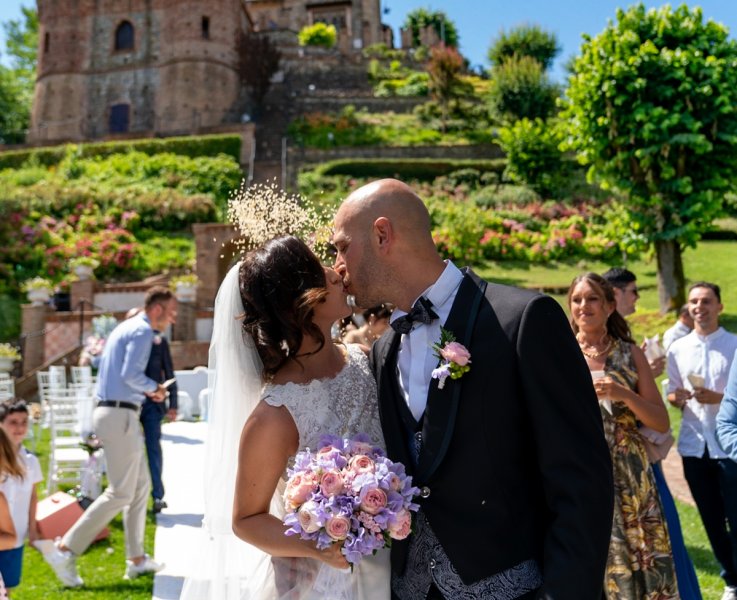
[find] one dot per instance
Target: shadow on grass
(703, 559)
(180, 439)
(729, 321)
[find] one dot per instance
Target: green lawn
(102, 566)
(711, 261)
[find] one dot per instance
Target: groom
(514, 471)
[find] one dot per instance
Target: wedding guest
(375, 323)
(698, 367)
(160, 368)
(19, 491)
(727, 416)
(10, 468)
(122, 386)
(682, 327)
(626, 293)
(640, 562)
(624, 284)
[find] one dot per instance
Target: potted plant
(84, 266)
(185, 287)
(8, 355)
(38, 290)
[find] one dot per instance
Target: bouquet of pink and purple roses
(348, 492)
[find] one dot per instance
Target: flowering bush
(349, 492)
(37, 283)
(9, 351)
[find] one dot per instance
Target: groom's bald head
(394, 200)
(384, 243)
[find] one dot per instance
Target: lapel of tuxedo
(442, 405)
(389, 397)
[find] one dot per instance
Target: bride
(277, 371)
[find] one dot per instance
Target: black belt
(119, 404)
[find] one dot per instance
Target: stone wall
(175, 79)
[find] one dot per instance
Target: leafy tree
(259, 61)
(14, 108)
(420, 18)
(527, 40)
(520, 89)
(533, 155)
(319, 34)
(444, 70)
(17, 83)
(653, 111)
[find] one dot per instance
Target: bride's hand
(332, 555)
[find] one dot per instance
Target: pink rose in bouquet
(331, 483)
(350, 493)
(373, 500)
(361, 464)
(338, 527)
(400, 527)
(299, 489)
(308, 517)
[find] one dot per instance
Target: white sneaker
(64, 564)
(730, 593)
(147, 565)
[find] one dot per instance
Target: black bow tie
(421, 312)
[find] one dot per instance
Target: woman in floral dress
(640, 564)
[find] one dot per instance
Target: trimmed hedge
(423, 169)
(192, 146)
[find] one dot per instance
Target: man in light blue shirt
(122, 387)
(727, 416)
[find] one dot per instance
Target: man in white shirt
(683, 327)
(698, 368)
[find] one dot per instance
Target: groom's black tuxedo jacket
(513, 456)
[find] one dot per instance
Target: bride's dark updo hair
(280, 284)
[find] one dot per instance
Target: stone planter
(39, 296)
(84, 272)
(6, 364)
(185, 292)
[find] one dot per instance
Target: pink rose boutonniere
(454, 358)
(157, 339)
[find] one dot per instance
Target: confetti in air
(264, 211)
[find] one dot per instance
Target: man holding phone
(160, 368)
(698, 369)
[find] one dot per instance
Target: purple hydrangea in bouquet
(348, 492)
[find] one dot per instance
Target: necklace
(596, 353)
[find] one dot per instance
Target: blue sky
(478, 21)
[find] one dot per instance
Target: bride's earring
(285, 347)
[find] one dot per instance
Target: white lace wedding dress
(343, 405)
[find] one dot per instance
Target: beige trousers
(129, 483)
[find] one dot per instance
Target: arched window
(119, 118)
(124, 36)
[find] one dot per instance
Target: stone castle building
(163, 67)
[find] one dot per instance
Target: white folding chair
(67, 459)
(58, 373)
(7, 389)
(82, 374)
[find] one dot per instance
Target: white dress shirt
(416, 359)
(676, 332)
(711, 357)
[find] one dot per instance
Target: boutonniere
(157, 340)
(454, 358)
